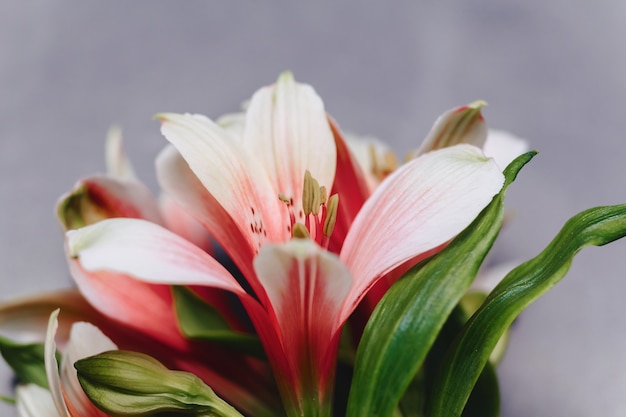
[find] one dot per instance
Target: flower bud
(126, 383)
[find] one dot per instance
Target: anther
(300, 231)
(331, 215)
(310, 195)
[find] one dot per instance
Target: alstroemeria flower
(264, 195)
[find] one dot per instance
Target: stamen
(331, 215)
(310, 195)
(300, 231)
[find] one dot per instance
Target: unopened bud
(133, 384)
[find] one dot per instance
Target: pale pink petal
(101, 197)
(148, 252)
(504, 147)
(181, 222)
(287, 130)
(181, 184)
(117, 162)
(52, 367)
(420, 206)
(461, 125)
(231, 175)
(34, 401)
(306, 286)
(85, 340)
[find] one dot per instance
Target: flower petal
(118, 164)
(101, 197)
(26, 319)
(143, 307)
(52, 367)
(461, 125)
(287, 130)
(420, 206)
(146, 251)
(232, 176)
(306, 286)
(350, 184)
(34, 401)
(181, 222)
(85, 340)
(181, 185)
(504, 147)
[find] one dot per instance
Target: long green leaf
(26, 360)
(485, 398)
(523, 285)
(407, 320)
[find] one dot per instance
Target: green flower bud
(123, 383)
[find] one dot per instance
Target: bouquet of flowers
(287, 269)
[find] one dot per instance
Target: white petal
(54, 380)
(34, 401)
(419, 207)
(148, 252)
(504, 147)
(118, 164)
(287, 129)
(230, 173)
(85, 340)
(460, 125)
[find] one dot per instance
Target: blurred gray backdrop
(553, 72)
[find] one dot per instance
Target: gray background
(552, 71)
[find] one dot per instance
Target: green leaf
(125, 383)
(26, 360)
(408, 319)
(199, 320)
(523, 285)
(485, 398)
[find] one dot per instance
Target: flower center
(319, 212)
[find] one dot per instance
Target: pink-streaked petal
(351, 186)
(419, 207)
(461, 125)
(232, 175)
(504, 147)
(26, 319)
(145, 308)
(85, 340)
(117, 162)
(148, 252)
(181, 222)
(287, 130)
(101, 197)
(181, 184)
(52, 367)
(306, 286)
(34, 401)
